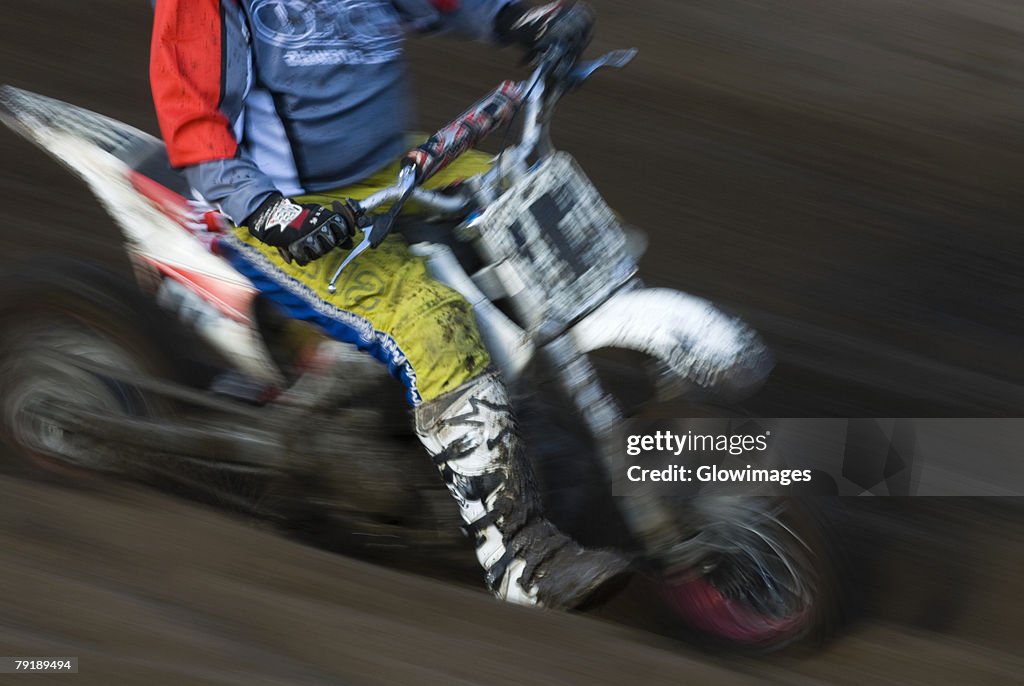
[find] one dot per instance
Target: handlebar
(465, 132)
(471, 127)
(500, 106)
(492, 112)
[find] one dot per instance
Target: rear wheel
(70, 336)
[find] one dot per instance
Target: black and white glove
(302, 233)
(538, 28)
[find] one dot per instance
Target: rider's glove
(302, 233)
(538, 28)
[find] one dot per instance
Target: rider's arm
(199, 67)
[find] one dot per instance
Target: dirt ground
(844, 175)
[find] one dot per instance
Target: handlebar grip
(465, 132)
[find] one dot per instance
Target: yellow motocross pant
(386, 304)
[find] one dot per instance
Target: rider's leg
(388, 306)
(473, 438)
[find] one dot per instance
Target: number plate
(558, 248)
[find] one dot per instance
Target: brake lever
(616, 59)
(380, 227)
(356, 251)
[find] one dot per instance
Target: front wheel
(760, 577)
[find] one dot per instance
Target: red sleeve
(185, 73)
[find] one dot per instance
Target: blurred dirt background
(844, 175)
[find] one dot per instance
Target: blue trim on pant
(301, 302)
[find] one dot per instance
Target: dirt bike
(98, 375)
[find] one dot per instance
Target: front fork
(647, 519)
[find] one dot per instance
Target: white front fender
(700, 345)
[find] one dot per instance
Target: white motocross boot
(473, 438)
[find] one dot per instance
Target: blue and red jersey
(293, 96)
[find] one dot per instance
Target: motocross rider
(277, 109)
